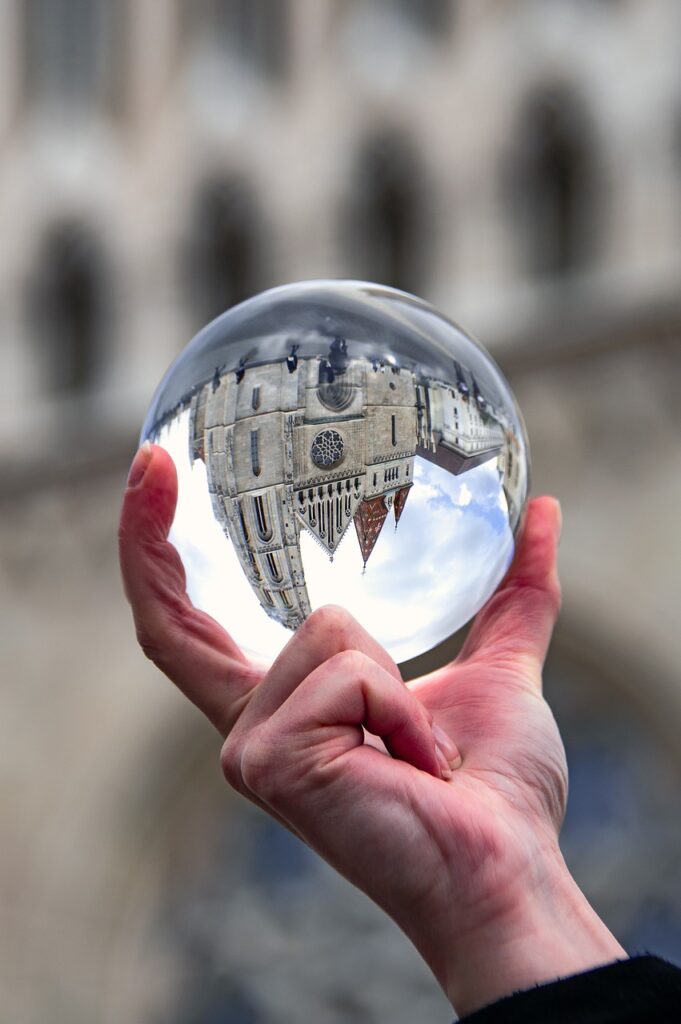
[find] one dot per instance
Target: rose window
(327, 448)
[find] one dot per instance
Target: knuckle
(259, 769)
(230, 762)
(163, 641)
(251, 765)
(151, 648)
(350, 663)
(329, 621)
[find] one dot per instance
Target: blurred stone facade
(518, 164)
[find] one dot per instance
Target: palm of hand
(510, 793)
(419, 845)
(466, 862)
(516, 755)
(447, 851)
(413, 840)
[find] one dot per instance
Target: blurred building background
(517, 163)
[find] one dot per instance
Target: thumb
(517, 622)
(189, 646)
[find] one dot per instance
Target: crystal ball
(341, 442)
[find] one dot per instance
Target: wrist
(547, 930)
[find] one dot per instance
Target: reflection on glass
(341, 442)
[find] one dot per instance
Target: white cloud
(465, 495)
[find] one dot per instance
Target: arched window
(433, 17)
(261, 509)
(251, 33)
(255, 453)
(551, 184)
(273, 568)
(222, 259)
(398, 35)
(385, 227)
(74, 52)
(67, 307)
(242, 521)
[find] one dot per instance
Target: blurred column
(157, 164)
(306, 140)
(10, 66)
(14, 366)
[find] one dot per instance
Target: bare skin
(442, 799)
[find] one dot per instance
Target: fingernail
(446, 745)
(445, 770)
(140, 464)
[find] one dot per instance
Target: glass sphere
(340, 442)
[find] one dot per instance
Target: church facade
(322, 444)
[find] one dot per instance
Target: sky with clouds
(452, 547)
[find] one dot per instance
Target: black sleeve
(642, 990)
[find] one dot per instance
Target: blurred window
(388, 43)
(384, 230)
(432, 16)
(67, 308)
(253, 32)
(552, 186)
(73, 51)
(223, 252)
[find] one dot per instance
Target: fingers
(320, 722)
(185, 643)
(517, 622)
(328, 631)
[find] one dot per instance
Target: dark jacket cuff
(634, 991)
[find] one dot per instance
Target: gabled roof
(369, 520)
(400, 501)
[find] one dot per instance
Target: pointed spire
(400, 501)
(369, 520)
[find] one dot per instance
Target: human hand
(466, 861)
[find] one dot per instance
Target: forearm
(547, 933)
